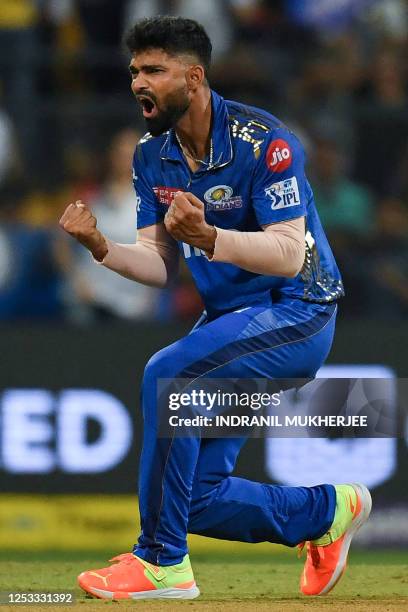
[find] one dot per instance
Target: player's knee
(160, 365)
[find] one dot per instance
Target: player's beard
(174, 107)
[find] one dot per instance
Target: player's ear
(195, 76)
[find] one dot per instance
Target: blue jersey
(256, 177)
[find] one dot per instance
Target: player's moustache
(146, 94)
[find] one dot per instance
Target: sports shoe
(134, 578)
(327, 556)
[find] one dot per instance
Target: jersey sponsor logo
(220, 198)
(165, 195)
(284, 193)
(278, 156)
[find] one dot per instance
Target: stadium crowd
(333, 70)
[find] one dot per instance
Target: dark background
(337, 75)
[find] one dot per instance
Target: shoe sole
(366, 504)
(170, 593)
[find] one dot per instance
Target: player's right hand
(79, 222)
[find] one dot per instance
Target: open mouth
(148, 106)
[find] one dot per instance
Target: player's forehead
(158, 57)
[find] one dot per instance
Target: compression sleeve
(152, 260)
(279, 250)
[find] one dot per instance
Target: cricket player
(223, 185)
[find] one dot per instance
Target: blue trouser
(185, 483)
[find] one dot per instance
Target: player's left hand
(185, 221)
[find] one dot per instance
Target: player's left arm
(279, 201)
(279, 198)
(277, 250)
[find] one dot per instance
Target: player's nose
(139, 84)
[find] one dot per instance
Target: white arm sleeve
(279, 250)
(152, 260)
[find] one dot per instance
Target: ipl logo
(284, 193)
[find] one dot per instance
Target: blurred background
(75, 337)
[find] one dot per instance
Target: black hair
(174, 35)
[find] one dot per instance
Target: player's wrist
(99, 249)
(209, 240)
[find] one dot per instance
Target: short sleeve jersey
(254, 176)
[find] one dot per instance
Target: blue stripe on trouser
(185, 483)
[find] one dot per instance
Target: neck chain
(197, 161)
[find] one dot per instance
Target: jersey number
(189, 251)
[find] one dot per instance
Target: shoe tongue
(324, 540)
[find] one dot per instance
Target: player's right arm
(152, 260)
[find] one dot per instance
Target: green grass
(371, 575)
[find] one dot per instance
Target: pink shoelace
(316, 552)
(124, 558)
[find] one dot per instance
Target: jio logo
(278, 156)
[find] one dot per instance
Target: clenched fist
(79, 222)
(185, 221)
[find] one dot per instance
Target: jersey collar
(221, 137)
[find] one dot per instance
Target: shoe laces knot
(126, 558)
